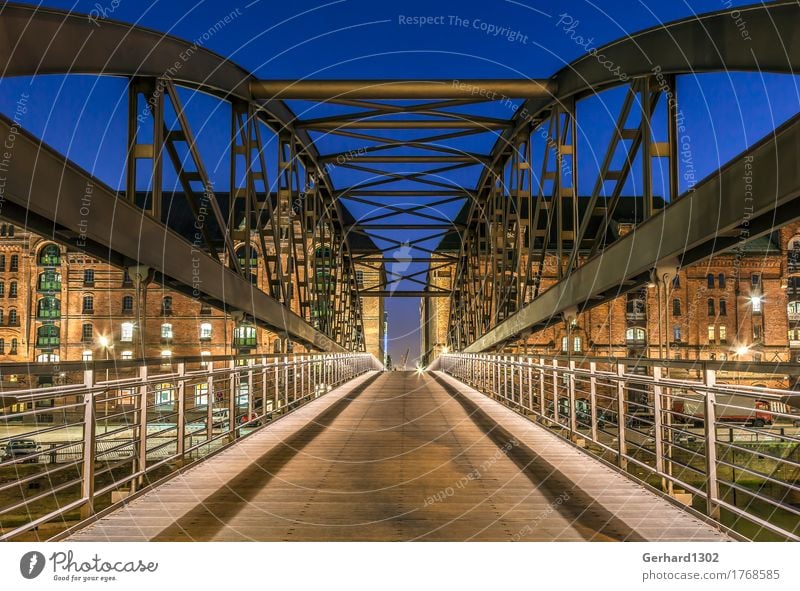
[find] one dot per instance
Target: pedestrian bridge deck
(400, 456)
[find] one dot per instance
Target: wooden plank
(401, 459)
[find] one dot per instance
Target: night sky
(84, 117)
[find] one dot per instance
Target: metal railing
(728, 450)
(112, 428)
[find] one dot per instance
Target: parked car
(19, 448)
(219, 418)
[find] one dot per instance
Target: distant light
(420, 370)
(445, 350)
(755, 299)
(102, 341)
(742, 350)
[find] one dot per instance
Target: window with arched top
(50, 280)
(127, 304)
(88, 304)
(635, 335)
(48, 307)
(48, 335)
(50, 256)
(166, 305)
(13, 318)
(793, 255)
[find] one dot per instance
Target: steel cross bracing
(527, 235)
(284, 224)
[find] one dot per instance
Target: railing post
(530, 384)
(658, 435)
(593, 398)
(277, 383)
(314, 375)
(294, 376)
(232, 398)
(541, 388)
(555, 390)
(250, 390)
(181, 418)
(573, 423)
(303, 376)
(712, 484)
(89, 443)
(622, 460)
(286, 380)
(264, 386)
(141, 465)
(211, 399)
(508, 378)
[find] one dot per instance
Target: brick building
(60, 305)
(743, 305)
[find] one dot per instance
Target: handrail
(122, 434)
(697, 441)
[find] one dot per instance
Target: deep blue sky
(84, 117)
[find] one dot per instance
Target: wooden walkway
(400, 456)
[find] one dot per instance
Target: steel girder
(700, 224)
(51, 195)
(648, 62)
(156, 63)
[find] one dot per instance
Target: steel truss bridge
(407, 137)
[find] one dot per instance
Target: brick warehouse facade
(61, 305)
(743, 305)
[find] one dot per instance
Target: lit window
(126, 332)
(166, 331)
(201, 395)
(723, 334)
(241, 397)
(635, 334)
(86, 356)
(166, 353)
(756, 301)
(127, 355)
(711, 333)
(676, 333)
(564, 343)
(204, 363)
(577, 344)
(165, 393)
(205, 330)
